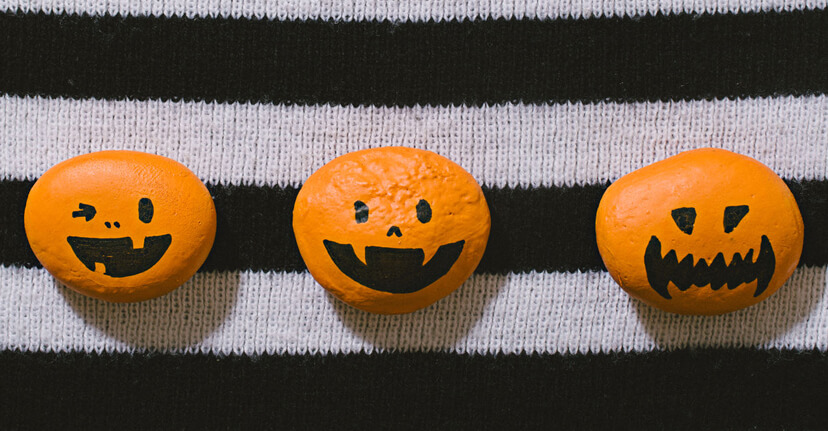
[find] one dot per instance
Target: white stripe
(257, 313)
(405, 10)
(500, 145)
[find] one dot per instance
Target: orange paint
(121, 226)
(391, 230)
(726, 209)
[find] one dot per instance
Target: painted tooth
(99, 268)
(655, 266)
(428, 254)
(137, 242)
(682, 275)
(735, 272)
(749, 256)
(736, 261)
(701, 273)
(660, 287)
(717, 270)
(671, 258)
(765, 265)
(89, 264)
(359, 252)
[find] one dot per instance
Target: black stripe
(534, 229)
(383, 63)
(706, 389)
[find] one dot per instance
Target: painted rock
(705, 232)
(391, 230)
(121, 226)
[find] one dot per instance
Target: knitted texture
(385, 63)
(288, 313)
(254, 228)
(414, 391)
(500, 145)
(401, 10)
(544, 103)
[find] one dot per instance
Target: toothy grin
(684, 273)
(394, 270)
(117, 255)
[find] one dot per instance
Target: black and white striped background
(545, 103)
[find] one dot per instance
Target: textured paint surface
(684, 234)
(121, 226)
(371, 200)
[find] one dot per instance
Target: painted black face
(685, 274)
(117, 255)
(394, 270)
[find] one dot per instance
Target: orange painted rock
(391, 230)
(121, 226)
(704, 232)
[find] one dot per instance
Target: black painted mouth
(394, 270)
(117, 254)
(684, 274)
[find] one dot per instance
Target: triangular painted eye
(361, 212)
(685, 218)
(733, 215)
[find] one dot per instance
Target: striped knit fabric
(544, 102)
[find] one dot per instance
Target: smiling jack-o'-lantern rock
(705, 232)
(391, 230)
(122, 226)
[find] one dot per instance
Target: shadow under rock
(176, 321)
(757, 325)
(439, 326)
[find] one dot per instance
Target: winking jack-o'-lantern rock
(122, 226)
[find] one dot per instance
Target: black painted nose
(394, 231)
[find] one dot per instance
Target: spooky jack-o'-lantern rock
(707, 231)
(391, 230)
(121, 226)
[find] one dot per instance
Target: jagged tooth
(749, 256)
(734, 272)
(718, 262)
(717, 272)
(682, 276)
(736, 261)
(765, 266)
(671, 258)
(701, 273)
(655, 266)
(660, 287)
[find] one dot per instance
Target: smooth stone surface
(705, 232)
(391, 230)
(121, 226)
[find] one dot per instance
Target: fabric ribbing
(668, 390)
(501, 146)
(402, 10)
(673, 57)
(570, 350)
(256, 313)
(533, 229)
